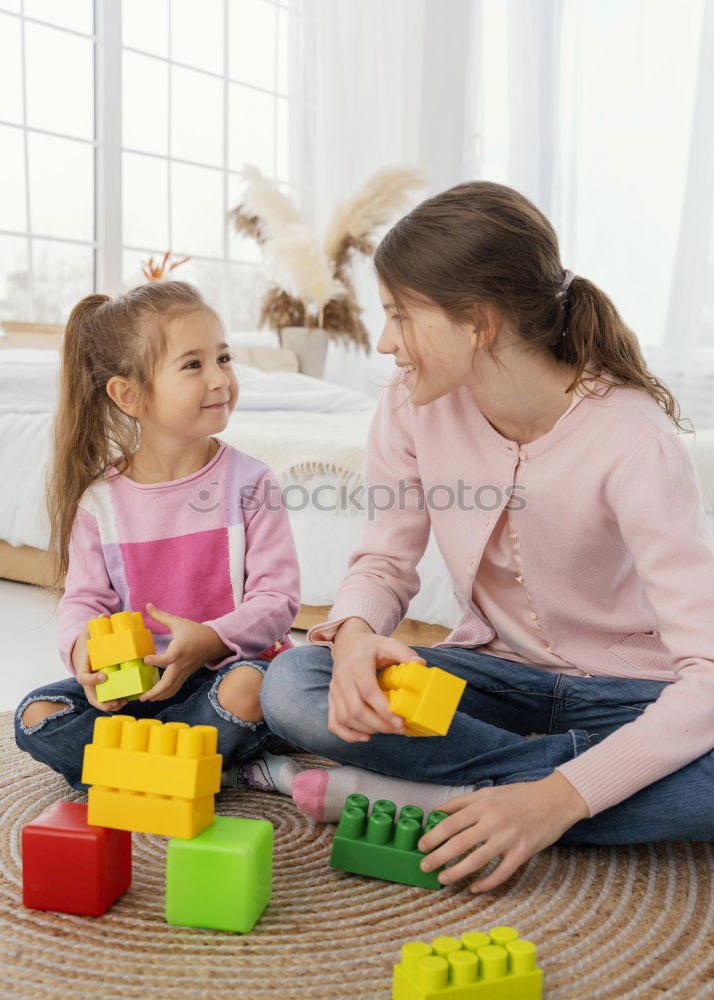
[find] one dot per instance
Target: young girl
(150, 512)
(526, 432)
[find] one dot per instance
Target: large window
(47, 231)
(186, 94)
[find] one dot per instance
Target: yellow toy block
(426, 697)
(495, 966)
(117, 646)
(157, 758)
(117, 639)
(141, 813)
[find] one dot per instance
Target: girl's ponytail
(79, 449)
(594, 336)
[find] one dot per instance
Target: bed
(310, 432)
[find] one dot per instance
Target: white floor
(27, 627)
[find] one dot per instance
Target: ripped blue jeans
(59, 740)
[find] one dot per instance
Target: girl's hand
(357, 706)
(191, 645)
(513, 821)
(88, 678)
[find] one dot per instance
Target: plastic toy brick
(70, 866)
(221, 879)
(142, 813)
(145, 755)
(379, 846)
(117, 646)
(426, 697)
(152, 777)
(495, 966)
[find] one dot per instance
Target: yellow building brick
(149, 756)
(141, 813)
(425, 697)
(118, 639)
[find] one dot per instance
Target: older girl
(526, 432)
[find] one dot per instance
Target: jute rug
(607, 922)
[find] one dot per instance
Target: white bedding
(28, 383)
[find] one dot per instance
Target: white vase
(310, 346)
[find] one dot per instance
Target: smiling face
(195, 388)
(434, 354)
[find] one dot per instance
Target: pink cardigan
(613, 540)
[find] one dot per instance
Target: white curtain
(602, 112)
(378, 77)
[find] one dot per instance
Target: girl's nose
(386, 343)
(218, 377)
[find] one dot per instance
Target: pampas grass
(312, 284)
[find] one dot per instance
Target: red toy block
(70, 866)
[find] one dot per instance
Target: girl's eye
(397, 319)
(223, 359)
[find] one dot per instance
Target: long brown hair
(481, 242)
(104, 337)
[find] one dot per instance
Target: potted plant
(312, 298)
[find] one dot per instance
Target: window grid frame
(30, 234)
(296, 103)
(107, 245)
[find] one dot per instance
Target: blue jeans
(59, 740)
(486, 745)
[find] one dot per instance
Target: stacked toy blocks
(379, 846)
(71, 866)
(221, 879)
(495, 966)
(152, 777)
(117, 646)
(426, 697)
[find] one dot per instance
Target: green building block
(495, 966)
(378, 846)
(127, 680)
(221, 879)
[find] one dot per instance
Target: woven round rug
(608, 922)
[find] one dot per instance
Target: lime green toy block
(495, 966)
(127, 680)
(221, 879)
(379, 846)
(157, 758)
(425, 697)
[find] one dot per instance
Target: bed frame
(25, 564)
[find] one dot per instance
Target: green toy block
(378, 846)
(221, 879)
(127, 680)
(495, 966)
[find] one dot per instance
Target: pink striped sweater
(613, 548)
(215, 547)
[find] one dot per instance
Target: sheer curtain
(386, 84)
(603, 114)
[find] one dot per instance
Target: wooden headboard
(49, 335)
